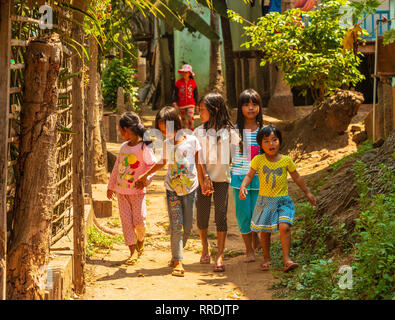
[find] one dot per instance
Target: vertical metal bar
(5, 56)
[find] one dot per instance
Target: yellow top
(273, 175)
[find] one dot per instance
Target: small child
(185, 96)
(181, 181)
(274, 208)
(134, 159)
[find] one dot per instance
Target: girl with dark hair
(249, 122)
(135, 158)
(181, 181)
(274, 208)
(215, 137)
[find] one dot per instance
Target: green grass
(362, 149)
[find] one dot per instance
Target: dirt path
(108, 278)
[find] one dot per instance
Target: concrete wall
(250, 14)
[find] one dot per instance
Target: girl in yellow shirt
(274, 208)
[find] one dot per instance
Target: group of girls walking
(201, 166)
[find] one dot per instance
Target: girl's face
(271, 144)
(128, 134)
(185, 75)
(203, 112)
(250, 110)
(165, 134)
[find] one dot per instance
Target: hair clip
(140, 126)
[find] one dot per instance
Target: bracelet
(206, 175)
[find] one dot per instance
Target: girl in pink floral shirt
(134, 159)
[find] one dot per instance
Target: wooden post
(28, 251)
(77, 61)
(387, 105)
(5, 55)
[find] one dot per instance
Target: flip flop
(205, 259)
(140, 250)
(177, 272)
(219, 268)
(265, 266)
(290, 265)
(131, 261)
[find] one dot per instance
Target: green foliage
(115, 76)
(374, 266)
(373, 259)
(389, 36)
(307, 47)
(97, 241)
(358, 9)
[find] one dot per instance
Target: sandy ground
(109, 278)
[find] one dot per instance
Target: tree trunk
(35, 192)
(166, 64)
(216, 81)
(95, 170)
(5, 57)
(229, 64)
(77, 34)
(281, 102)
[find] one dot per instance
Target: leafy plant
(389, 37)
(98, 241)
(116, 76)
(374, 266)
(373, 259)
(307, 47)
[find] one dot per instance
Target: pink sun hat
(186, 68)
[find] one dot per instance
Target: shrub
(116, 76)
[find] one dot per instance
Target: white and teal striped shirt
(241, 161)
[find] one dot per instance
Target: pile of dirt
(337, 199)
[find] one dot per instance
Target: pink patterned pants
(187, 120)
(133, 211)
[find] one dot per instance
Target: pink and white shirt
(131, 163)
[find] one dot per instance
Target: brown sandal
(205, 259)
(290, 265)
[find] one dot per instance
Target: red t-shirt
(186, 92)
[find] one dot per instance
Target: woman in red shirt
(185, 96)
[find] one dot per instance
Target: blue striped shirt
(241, 161)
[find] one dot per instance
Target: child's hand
(141, 182)
(208, 186)
(311, 198)
(243, 193)
(110, 194)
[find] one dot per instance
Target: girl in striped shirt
(249, 122)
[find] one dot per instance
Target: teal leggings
(244, 209)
